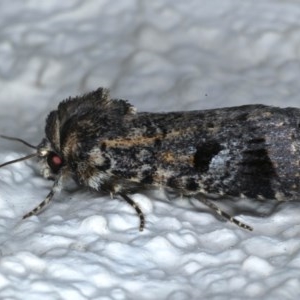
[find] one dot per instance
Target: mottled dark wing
(250, 150)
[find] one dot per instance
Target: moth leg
(224, 214)
(40, 206)
(57, 186)
(137, 209)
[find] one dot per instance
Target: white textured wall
(161, 55)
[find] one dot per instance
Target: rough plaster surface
(162, 55)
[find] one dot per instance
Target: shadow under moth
(247, 151)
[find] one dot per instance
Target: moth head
(50, 160)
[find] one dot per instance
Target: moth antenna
(137, 209)
(57, 186)
(18, 159)
(18, 140)
(223, 214)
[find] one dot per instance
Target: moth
(246, 151)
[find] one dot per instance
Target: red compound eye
(54, 161)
